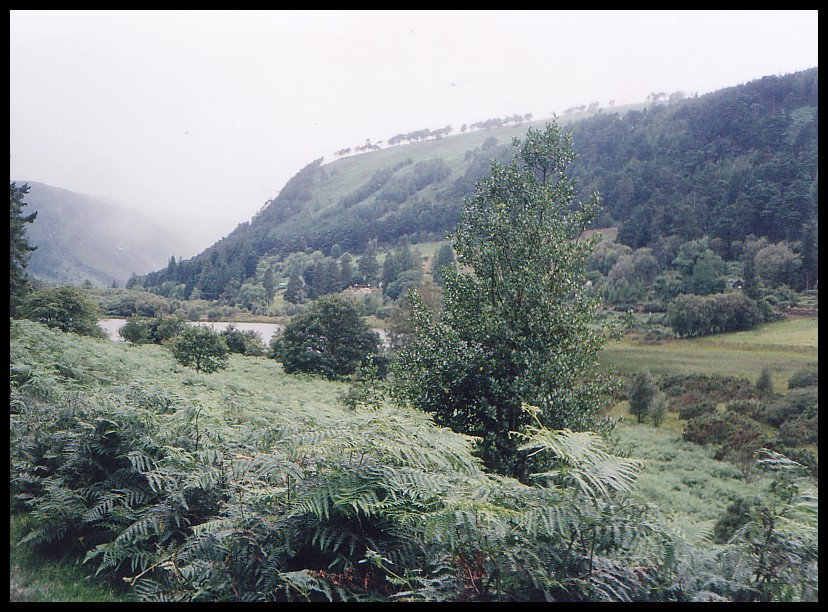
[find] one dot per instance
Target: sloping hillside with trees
(719, 177)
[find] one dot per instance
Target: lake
(267, 330)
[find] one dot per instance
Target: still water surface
(267, 330)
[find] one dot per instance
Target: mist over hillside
(82, 237)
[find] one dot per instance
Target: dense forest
(713, 179)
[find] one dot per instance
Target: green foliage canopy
(66, 308)
(700, 315)
(517, 325)
(330, 339)
(145, 330)
(201, 348)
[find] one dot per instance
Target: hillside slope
(727, 165)
(81, 237)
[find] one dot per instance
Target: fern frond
(581, 460)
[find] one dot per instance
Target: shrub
(737, 514)
(708, 428)
(658, 408)
(137, 330)
(66, 308)
(796, 402)
(696, 315)
(749, 408)
(800, 430)
(695, 410)
(330, 339)
(247, 342)
(143, 330)
(764, 384)
(709, 388)
(804, 377)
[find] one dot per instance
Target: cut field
(783, 347)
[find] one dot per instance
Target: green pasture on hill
(784, 347)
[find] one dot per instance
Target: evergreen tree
(19, 247)
(346, 271)
(444, 257)
(810, 255)
(750, 279)
(172, 269)
(517, 327)
(368, 265)
(309, 275)
(269, 283)
(293, 291)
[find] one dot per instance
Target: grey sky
(211, 112)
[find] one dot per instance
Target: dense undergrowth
(250, 484)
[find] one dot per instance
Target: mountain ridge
(81, 237)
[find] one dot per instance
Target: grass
(784, 347)
(691, 488)
(34, 578)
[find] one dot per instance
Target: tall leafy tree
(201, 348)
(330, 339)
(19, 247)
(642, 393)
(517, 326)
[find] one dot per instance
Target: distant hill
(81, 237)
(728, 165)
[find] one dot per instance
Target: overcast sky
(211, 112)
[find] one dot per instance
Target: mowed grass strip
(783, 347)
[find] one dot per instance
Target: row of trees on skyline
(429, 134)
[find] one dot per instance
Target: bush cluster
(701, 315)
